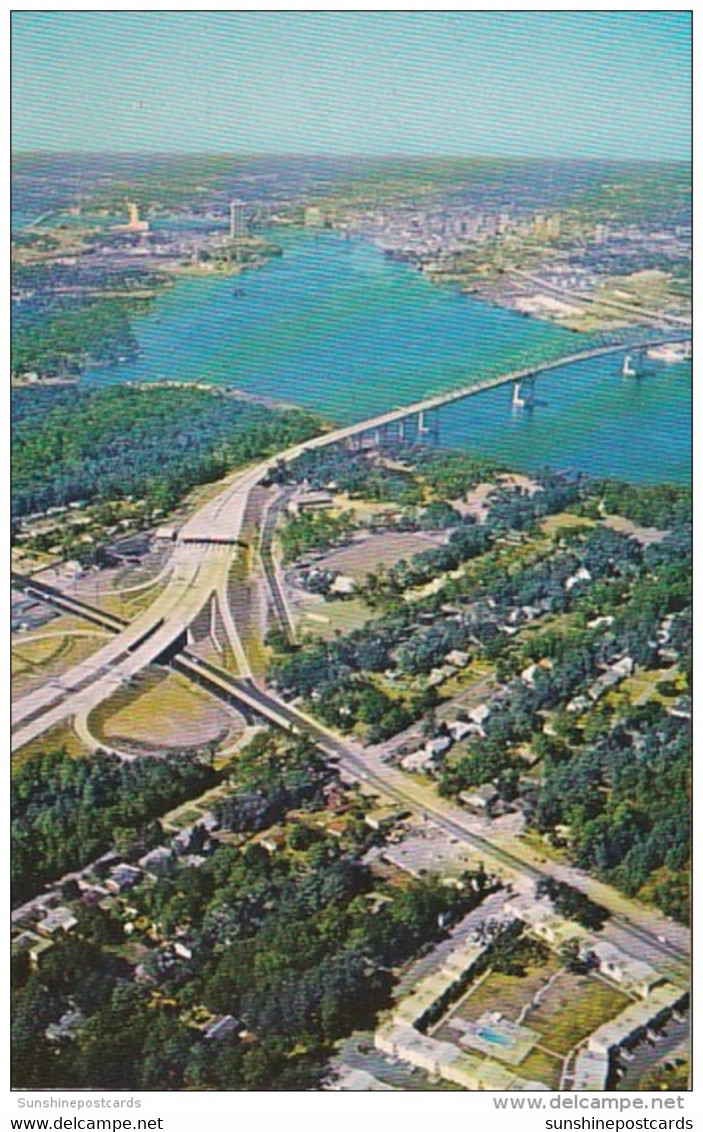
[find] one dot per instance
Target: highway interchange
(206, 549)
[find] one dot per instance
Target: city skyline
(505, 84)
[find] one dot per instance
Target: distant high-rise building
(237, 219)
(546, 227)
(134, 224)
(538, 226)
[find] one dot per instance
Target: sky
(523, 84)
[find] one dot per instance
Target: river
(337, 327)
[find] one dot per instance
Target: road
(206, 549)
(639, 928)
(66, 602)
(200, 567)
(503, 853)
(207, 545)
(275, 590)
(656, 318)
(638, 923)
(196, 573)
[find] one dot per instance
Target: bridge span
(207, 547)
(439, 400)
(66, 603)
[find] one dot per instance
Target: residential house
(158, 861)
(482, 799)
(59, 919)
(123, 877)
(310, 501)
(633, 975)
(66, 1026)
(222, 1027)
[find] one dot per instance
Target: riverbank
(230, 391)
(336, 327)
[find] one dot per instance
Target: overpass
(362, 764)
(196, 574)
(641, 925)
(66, 603)
(207, 547)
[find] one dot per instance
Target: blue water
(337, 327)
(589, 418)
(494, 1038)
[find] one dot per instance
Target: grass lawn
(364, 509)
(543, 848)
(165, 710)
(563, 520)
(507, 994)
(322, 620)
(548, 623)
(641, 686)
(181, 818)
(36, 652)
(572, 1008)
(130, 605)
(541, 1066)
(48, 653)
(469, 687)
(193, 810)
(57, 738)
(247, 601)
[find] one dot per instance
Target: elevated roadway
(640, 925)
(197, 573)
(221, 519)
(66, 603)
(206, 549)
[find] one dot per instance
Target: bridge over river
(207, 547)
(513, 377)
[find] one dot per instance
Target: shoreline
(231, 391)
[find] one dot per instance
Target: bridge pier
(634, 364)
(213, 623)
(172, 651)
(430, 429)
(389, 434)
(524, 393)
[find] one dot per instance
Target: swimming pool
(495, 1038)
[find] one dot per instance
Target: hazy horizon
(507, 158)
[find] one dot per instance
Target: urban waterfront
(336, 326)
